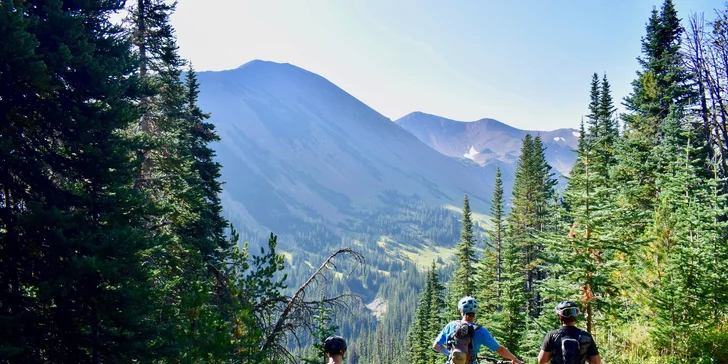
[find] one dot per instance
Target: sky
(526, 63)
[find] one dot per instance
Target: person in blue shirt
(468, 307)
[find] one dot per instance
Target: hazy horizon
(527, 65)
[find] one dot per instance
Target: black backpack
(460, 342)
(569, 348)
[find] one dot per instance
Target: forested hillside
(113, 246)
(637, 239)
(116, 245)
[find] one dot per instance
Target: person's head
(468, 307)
(567, 311)
(335, 346)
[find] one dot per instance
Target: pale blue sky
(525, 63)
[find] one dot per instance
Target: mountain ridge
(488, 140)
(296, 147)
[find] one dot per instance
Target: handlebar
(494, 360)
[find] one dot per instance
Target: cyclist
(335, 348)
(568, 344)
(468, 307)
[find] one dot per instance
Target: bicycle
(492, 360)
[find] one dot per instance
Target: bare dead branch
(301, 311)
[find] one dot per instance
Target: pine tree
(609, 127)
(660, 85)
(533, 192)
(595, 112)
(210, 226)
(496, 235)
(489, 273)
(74, 287)
(180, 175)
(508, 324)
(428, 321)
(685, 248)
(602, 146)
(463, 283)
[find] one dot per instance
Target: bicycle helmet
(567, 309)
(334, 344)
(468, 304)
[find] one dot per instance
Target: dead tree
(299, 313)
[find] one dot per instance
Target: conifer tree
(609, 127)
(530, 214)
(463, 282)
(595, 112)
(508, 323)
(74, 288)
(210, 226)
(490, 270)
(685, 250)
(660, 85)
(496, 235)
(428, 321)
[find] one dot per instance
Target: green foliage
(463, 283)
(428, 321)
(72, 241)
(323, 329)
(489, 274)
(114, 248)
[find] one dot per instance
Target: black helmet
(566, 309)
(334, 344)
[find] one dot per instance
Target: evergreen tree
(685, 250)
(602, 146)
(210, 226)
(496, 235)
(428, 321)
(661, 84)
(609, 127)
(533, 191)
(463, 283)
(72, 237)
(490, 270)
(508, 323)
(594, 117)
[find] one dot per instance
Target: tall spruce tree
(685, 248)
(496, 234)
(661, 83)
(508, 323)
(72, 235)
(180, 176)
(595, 115)
(463, 282)
(428, 321)
(490, 270)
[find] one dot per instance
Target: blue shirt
(482, 337)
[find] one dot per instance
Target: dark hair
(334, 345)
(568, 319)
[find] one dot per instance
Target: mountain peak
(486, 140)
(257, 63)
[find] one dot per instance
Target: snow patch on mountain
(575, 133)
(471, 154)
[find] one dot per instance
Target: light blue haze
(525, 63)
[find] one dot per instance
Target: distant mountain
(489, 141)
(299, 152)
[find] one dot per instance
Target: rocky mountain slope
(297, 150)
(488, 141)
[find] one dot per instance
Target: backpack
(570, 348)
(460, 343)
